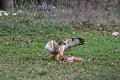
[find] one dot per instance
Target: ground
(22, 54)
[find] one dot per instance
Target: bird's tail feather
(82, 41)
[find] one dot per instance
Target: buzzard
(57, 49)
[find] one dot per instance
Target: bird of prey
(57, 49)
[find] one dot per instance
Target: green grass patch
(22, 54)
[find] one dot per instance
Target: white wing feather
(73, 42)
(51, 46)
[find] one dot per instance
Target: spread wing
(73, 42)
(51, 46)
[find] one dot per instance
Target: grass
(22, 54)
